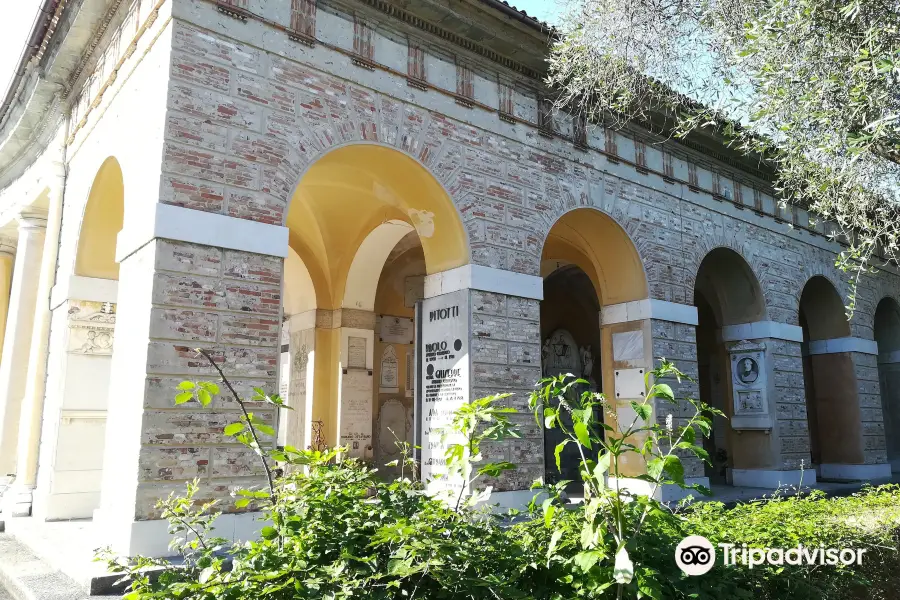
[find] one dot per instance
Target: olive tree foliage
(811, 86)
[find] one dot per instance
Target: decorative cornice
(92, 45)
(454, 38)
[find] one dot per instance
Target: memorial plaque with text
(445, 380)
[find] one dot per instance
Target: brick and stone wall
(506, 358)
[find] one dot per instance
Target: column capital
(7, 246)
(31, 220)
(760, 330)
(484, 279)
(650, 308)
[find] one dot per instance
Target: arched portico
(749, 368)
(887, 336)
(833, 361)
(593, 275)
(349, 212)
(83, 316)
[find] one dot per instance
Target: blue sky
(545, 10)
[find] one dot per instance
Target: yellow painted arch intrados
(104, 214)
(349, 192)
(602, 249)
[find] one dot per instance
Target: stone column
(769, 443)
(173, 297)
(343, 396)
(7, 259)
(849, 415)
(17, 340)
(635, 335)
(19, 499)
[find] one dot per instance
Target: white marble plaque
(396, 330)
(630, 384)
(390, 371)
(356, 413)
(749, 383)
(445, 382)
(356, 353)
(628, 345)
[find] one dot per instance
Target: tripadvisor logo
(695, 555)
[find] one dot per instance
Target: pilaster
(174, 297)
(17, 339)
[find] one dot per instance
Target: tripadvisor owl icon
(695, 555)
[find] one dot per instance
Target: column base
(854, 472)
(771, 479)
(65, 507)
(151, 538)
(17, 501)
(664, 493)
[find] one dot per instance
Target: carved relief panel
(749, 383)
(91, 327)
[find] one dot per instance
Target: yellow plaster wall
(102, 222)
(352, 190)
(602, 249)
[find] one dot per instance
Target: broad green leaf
(210, 387)
(688, 434)
(241, 502)
(204, 397)
(233, 429)
(587, 559)
(581, 432)
(674, 468)
(264, 429)
(558, 452)
(662, 390)
(184, 397)
(205, 574)
(554, 540)
(644, 411)
(549, 510)
(602, 466)
(269, 533)
(186, 385)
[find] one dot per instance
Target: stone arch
(818, 263)
(701, 247)
(101, 222)
(822, 305)
(369, 261)
(833, 407)
(600, 246)
(375, 185)
(728, 282)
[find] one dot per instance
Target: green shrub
(337, 531)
